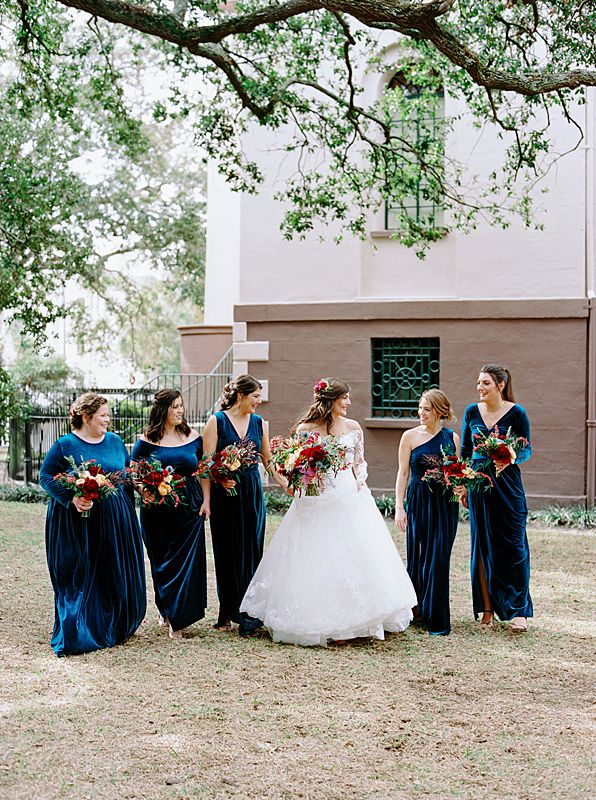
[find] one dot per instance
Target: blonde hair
(439, 402)
(85, 406)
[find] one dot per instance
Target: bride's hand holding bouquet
(305, 459)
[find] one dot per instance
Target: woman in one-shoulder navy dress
(175, 536)
(430, 521)
(96, 563)
(500, 554)
(237, 522)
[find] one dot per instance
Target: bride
(332, 571)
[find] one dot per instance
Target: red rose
(500, 453)
(95, 471)
(153, 478)
(90, 489)
(453, 470)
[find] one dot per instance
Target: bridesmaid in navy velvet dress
(431, 519)
(237, 522)
(96, 563)
(175, 537)
(500, 563)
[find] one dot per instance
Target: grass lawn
(473, 715)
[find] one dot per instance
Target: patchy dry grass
(474, 715)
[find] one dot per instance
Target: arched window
(422, 125)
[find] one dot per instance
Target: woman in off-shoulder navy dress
(500, 554)
(430, 521)
(175, 536)
(96, 563)
(237, 522)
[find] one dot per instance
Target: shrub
(19, 493)
(571, 516)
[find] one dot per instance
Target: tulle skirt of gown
(331, 572)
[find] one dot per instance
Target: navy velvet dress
(96, 564)
(175, 538)
(498, 522)
(430, 533)
(237, 528)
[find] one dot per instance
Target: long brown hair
(499, 375)
(159, 414)
(326, 392)
(85, 406)
(243, 384)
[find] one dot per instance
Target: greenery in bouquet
(448, 471)
(159, 485)
(501, 449)
(88, 480)
(305, 459)
(227, 464)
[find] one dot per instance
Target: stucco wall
(544, 346)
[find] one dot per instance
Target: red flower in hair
(322, 387)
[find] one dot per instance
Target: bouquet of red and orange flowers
(159, 485)
(500, 448)
(226, 464)
(449, 471)
(88, 480)
(304, 459)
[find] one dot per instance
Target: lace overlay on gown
(332, 570)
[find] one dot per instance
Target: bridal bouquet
(88, 480)
(497, 446)
(305, 459)
(159, 485)
(224, 465)
(448, 471)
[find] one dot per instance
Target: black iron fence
(47, 415)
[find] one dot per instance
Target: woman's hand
(146, 496)
(401, 519)
(205, 509)
(500, 464)
(81, 504)
(462, 493)
(229, 483)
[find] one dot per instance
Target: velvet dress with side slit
(498, 521)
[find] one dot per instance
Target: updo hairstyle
(156, 425)
(499, 375)
(439, 402)
(325, 393)
(242, 385)
(85, 406)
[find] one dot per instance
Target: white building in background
(373, 314)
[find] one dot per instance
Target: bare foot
(175, 634)
(488, 620)
(519, 624)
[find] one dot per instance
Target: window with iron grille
(401, 370)
(420, 206)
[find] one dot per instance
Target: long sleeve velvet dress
(175, 538)
(96, 564)
(430, 533)
(237, 527)
(498, 521)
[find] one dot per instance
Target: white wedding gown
(332, 570)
